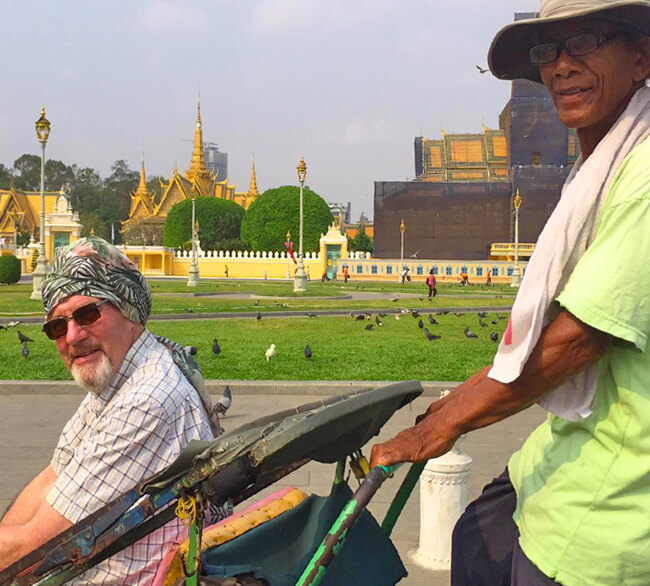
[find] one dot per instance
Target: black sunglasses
(577, 46)
(83, 316)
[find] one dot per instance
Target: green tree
(27, 172)
(95, 223)
(85, 191)
(219, 220)
(57, 175)
(361, 242)
(277, 211)
(116, 197)
(5, 177)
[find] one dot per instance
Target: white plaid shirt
(136, 427)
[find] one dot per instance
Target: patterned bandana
(93, 267)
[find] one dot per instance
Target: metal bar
(403, 494)
(331, 544)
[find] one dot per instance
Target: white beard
(93, 379)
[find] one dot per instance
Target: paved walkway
(30, 426)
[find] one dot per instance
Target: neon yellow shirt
(583, 488)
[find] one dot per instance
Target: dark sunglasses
(577, 46)
(83, 316)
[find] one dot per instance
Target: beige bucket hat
(508, 55)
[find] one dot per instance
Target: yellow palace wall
(445, 271)
(159, 261)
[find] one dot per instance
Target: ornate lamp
(300, 278)
(516, 274)
(43, 127)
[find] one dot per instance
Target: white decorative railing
(245, 254)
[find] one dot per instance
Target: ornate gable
(13, 210)
(178, 189)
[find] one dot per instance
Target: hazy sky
(345, 83)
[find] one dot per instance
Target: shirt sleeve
(609, 287)
(126, 448)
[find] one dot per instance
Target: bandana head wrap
(93, 267)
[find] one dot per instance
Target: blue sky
(345, 83)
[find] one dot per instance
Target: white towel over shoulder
(563, 241)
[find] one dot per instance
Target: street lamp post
(43, 132)
(402, 228)
(193, 275)
(300, 278)
(516, 275)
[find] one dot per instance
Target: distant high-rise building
(344, 210)
(215, 160)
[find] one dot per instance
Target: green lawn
(342, 349)
(174, 296)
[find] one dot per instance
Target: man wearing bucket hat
(146, 400)
(573, 506)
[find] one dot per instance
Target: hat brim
(508, 55)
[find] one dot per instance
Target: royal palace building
(461, 200)
(198, 180)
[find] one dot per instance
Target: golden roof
(252, 188)
(198, 170)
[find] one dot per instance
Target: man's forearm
(12, 545)
(559, 354)
(30, 499)
(564, 348)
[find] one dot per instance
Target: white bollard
(443, 498)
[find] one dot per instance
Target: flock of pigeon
(494, 336)
(377, 321)
(22, 338)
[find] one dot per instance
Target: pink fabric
(166, 562)
(507, 336)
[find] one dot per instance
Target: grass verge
(342, 348)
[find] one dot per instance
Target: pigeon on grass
(469, 333)
(430, 336)
(22, 338)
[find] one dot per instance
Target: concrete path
(30, 425)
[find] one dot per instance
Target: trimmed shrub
(9, 269)
(219, 220)
(277, 211)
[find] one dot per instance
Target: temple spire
(142, 187)
(198, 168)
(142, 195)
(252, 188)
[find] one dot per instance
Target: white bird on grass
(270, 352)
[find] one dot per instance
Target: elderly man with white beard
(146, 400)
